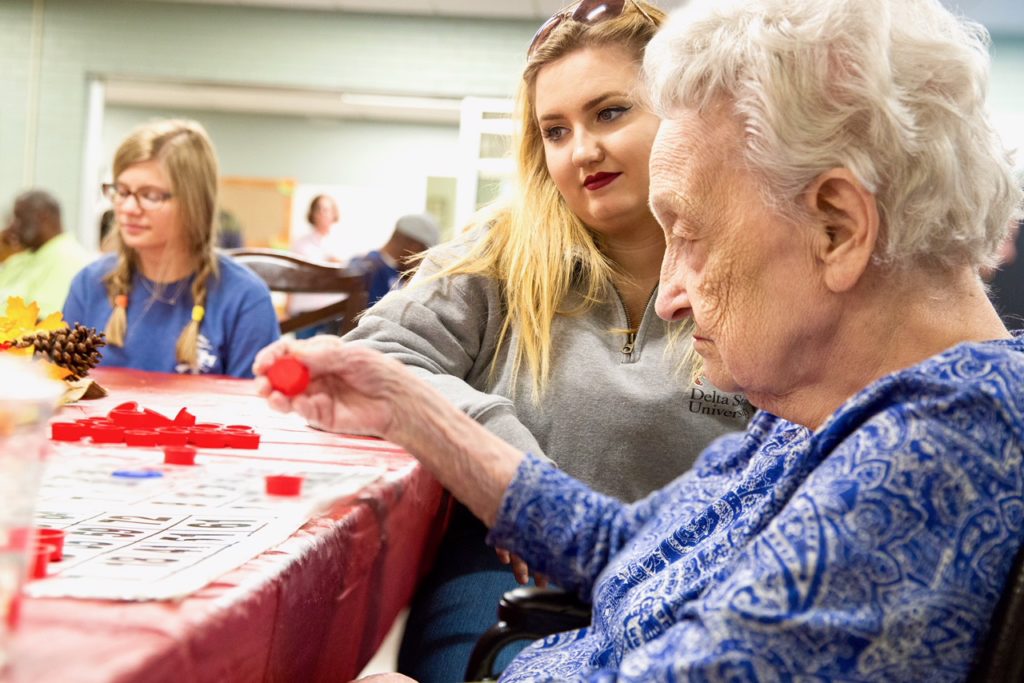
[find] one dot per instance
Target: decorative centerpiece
(67, 352)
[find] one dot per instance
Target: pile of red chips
(179, 437)
(133, 427)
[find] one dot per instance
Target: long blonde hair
(186, 153)
(534, 246)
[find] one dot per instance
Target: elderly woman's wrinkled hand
(520, 570)
(351, 389)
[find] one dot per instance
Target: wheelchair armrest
(542, 611)
(525, 614)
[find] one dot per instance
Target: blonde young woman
(166, 300)
(825, 223)
(540, 322)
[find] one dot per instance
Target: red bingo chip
(288, 376)
(240, 439)
(106, 433)
(41, 556)
(208, 438)
(66, 431)
(171, 436)
(53, 538)
(140, 437)
(153, 419)
(283, 485)
(180, 455)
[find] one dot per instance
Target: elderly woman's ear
(845, 217)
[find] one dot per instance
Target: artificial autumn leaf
(51, 323)
(84, 389)
(18, 309)
(25, 352)
(20, 320)
(54, 371)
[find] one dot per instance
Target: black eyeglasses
(148, 198)
(585, 12)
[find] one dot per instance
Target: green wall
(43, 101)
(363, 53)
(15, 27)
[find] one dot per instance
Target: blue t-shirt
(380, 277)
(239, 320)
(874, 548)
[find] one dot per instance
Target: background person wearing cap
(384, 268)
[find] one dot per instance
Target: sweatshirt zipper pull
(627, 349)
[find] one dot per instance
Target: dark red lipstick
(599, 180)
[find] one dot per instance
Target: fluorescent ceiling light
(282, 101)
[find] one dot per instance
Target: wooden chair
(293, 274)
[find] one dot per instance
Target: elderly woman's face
(745, 274)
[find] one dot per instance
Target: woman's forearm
(475, 465)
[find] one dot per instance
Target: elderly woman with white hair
(829, 188)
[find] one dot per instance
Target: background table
(314, 608)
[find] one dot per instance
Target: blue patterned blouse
(872, 549)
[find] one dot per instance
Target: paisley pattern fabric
(872, 549)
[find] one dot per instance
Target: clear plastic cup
(27, 401)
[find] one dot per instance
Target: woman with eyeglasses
(539, 320)
(166, 300)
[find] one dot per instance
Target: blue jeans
(456, 603)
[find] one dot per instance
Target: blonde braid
(187, 348)
(184, 152)
(119, 286)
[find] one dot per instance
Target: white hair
(893, 90)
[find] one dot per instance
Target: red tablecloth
(314, 608)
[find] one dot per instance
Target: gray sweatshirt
(622, 420)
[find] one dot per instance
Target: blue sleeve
(570, 532)
(76, 308)
(559, 526)
(882, 563)
(885, 563)
(871, 568)
(255, 327)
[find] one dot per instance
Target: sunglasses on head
(584, 12)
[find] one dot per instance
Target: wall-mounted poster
(254, 212)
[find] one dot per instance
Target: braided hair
(184, 150)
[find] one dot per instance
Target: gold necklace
(158, 292)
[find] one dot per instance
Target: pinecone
(75, 348)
